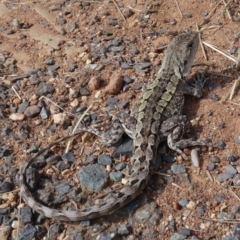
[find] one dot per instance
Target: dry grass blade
(230, 94)
(201, 44)
(234, 194)
(210, 13)
(56, 105)
(209, 176)
(16, 92)
(220, 220)
(76, 126)
(115, 3)
(179, 8)
(219, 51)
(226, 7)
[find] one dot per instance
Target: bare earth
(74, 33)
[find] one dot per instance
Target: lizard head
(180, 53)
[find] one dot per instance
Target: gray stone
(236, 180)
(178, 168)
(120, 166)
(104, 159)
(26, 214)
(183, 202)
(237, 139)
(122, 230)
(230, 169)
(22, 107)
(93, 178)
(116, 176)
(224, 176)
(44, 113)
(62, 188)
(28, 232)
(125, 149)
(177, 236)
(215, 159)
(211, 166)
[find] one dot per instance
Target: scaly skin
(163, 99)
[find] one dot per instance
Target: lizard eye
(190, 45)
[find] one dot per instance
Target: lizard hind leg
(174, 128)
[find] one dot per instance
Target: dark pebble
(104, 159)
(61, 165)
(125, 65)
(231, 157)
(26, 214)
(123, 230)
(221, 144)
(28, 232)
(125, 149)
(111, 101)
(6, 187)
(49, 61)
(69, 157)
(215, 159)
(62, 188)
(219, 197)
(127, 79)
(94, 177)
(230, 169)
(178, 168)
(44, 114)
(116, 176)
(183, 202)
(120, 166)
(236, 180)
(22, 107)
(211, 166)
(45, 89)
(32, 177)
(84, 92)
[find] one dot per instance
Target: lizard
(158, 116)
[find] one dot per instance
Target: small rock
(231, 157)
(17, 116)
(59, 118)
(178, 168)
(120, 166)
(236, 180)
(6, 187)
(84, 92)
(215, 159)
(177, 236)
(195, 158)
(116, 176)
(223, 177)
(122, 230)
(69, 157)
(191, 205)
(230, 169)
(94, 177)
(26, 214)
(115, 85)
(94, 83)
(211, 166)
(32, 111)
(104, 159)
(28, 232)
(183, 202)
(237, 139)
(106, 236)
(5, 232)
